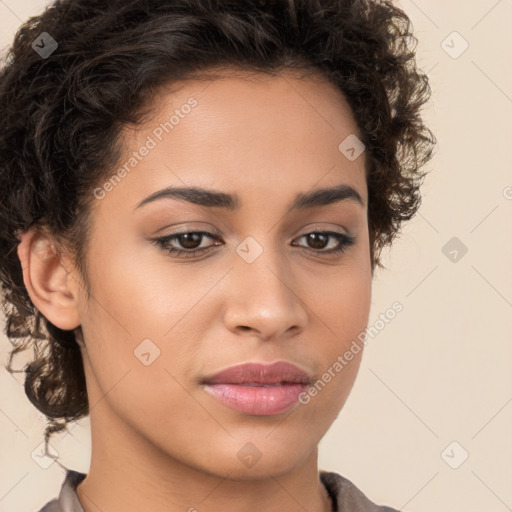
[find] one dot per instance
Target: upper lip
(279, 372)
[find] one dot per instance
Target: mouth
(259, 389)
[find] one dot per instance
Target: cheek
(343, 308)
(134, 324)
(345, 318)
(342, 301)
(138, 377)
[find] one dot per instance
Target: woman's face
(159, 323)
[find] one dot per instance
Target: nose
(264, 299)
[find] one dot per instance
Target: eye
(319, 239)
(191, 242)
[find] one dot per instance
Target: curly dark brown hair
(63, 114)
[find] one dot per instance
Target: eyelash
(345, 241)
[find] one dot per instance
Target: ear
(51, 287)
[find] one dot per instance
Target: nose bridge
(263, 297)
(262, 267)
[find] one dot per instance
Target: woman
(196, 194)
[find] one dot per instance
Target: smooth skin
(160, 442)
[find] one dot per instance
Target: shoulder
(67, 500)
(51, 506)
(346, 497)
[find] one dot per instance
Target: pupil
(188, 242)
(315, 238)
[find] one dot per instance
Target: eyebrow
(231, 202)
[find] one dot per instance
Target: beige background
(441, 370)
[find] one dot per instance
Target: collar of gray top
(345, 496)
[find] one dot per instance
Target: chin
(255, 460)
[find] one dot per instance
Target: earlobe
(51, 287)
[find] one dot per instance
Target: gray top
(345, 496)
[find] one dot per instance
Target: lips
(259, 374)
(259, 389)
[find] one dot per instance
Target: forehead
(239, 101)
(237, 130)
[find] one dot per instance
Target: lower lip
(257, 400)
